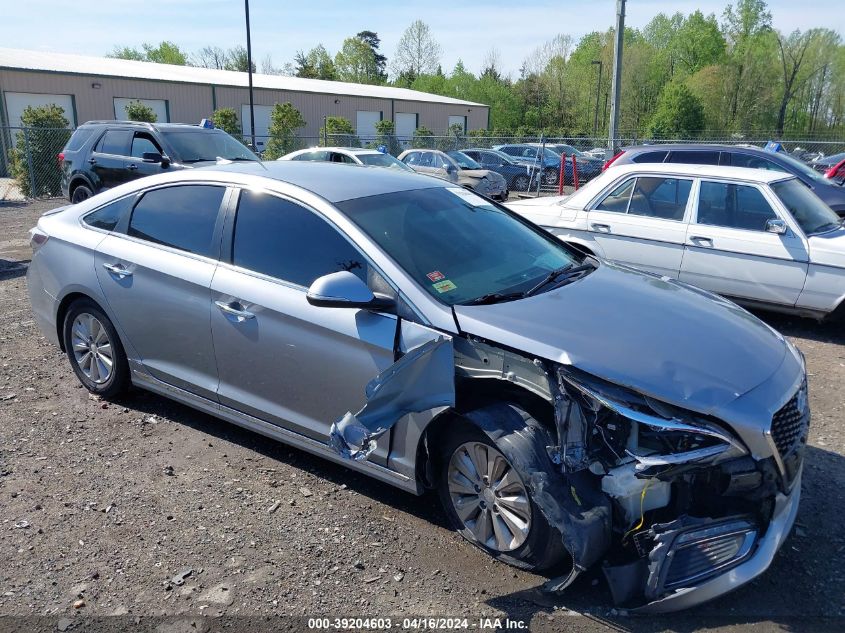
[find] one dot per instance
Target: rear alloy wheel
(80, 193)
(489, 497)
(94, 350)
(521, 183)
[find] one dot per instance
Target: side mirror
(776, 226)
(151, 157)
(450, 169)
(344, 290)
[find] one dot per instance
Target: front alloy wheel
(489, 497)
(550, 177)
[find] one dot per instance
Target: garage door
(17, 102)
(366, 124)
(406, 125)
(159, 106)
(458, 120)
(262, 123)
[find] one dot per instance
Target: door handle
(132, 166)
(601, 228)
(118, 269)
(701, 241)
(235, 309)
(93, 161)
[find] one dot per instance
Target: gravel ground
(146, 508)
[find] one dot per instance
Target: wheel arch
(79, 179)
(472, 394)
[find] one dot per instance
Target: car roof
(342, 150)
(703, 171)
(334, 182)
(714, 147)
(144, 124)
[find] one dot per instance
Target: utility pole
(598, 94)
(249, 71)
(616, 87)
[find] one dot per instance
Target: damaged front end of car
(688, 501)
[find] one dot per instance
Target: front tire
(94, 350)
(521, 183)
(550, 177)
(487, 498)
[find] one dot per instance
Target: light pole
(249, 72)
(616, 87)
(598, 94)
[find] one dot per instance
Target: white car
(349, 155)
(756, 236)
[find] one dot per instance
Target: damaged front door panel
(422, 379)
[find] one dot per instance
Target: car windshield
(457, 245)
(382, 160)
(464, 161)
(194, 145)
(812, 215)
(796, 166)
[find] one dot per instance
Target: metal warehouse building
(90, 88)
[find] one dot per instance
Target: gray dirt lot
(120, 497)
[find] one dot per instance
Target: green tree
(236, 59)
(33, 158)
(679, 114)
(227, 120)
(386, 135)
(165, 53)
(371, 39)
(356, 63)
(338, 131)
(698, 42)
(138, 111)
(423, 138)
(285, 120)
(315, 64)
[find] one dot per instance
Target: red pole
(562, 174)
(575, 172)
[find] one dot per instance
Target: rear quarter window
(650, 157)
(78, 139)
(110, 215)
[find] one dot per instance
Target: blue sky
(465, 30)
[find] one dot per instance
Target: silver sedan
(565, 408)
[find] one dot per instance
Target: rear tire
(94, 350)
(80, 193)
(488, 508)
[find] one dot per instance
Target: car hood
(657, 336)
(480, 173)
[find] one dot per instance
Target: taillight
(37, 238)
(612, 160)
(833, 171)
(61, 158)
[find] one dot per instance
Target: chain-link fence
(30, 167)
(29, 162)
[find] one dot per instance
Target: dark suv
(736, 156)
(104, 154)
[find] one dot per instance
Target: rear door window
(660, 197)
(733, 206)
(694, 157)
(182, 217)
(284, 240)
(115, 142)
(617, 200)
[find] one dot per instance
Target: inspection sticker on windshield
(468, 196)
(435, 275)
(444, 286)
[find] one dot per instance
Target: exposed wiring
(642, 512)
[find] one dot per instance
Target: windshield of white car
(812, 215)
(464, 161)
(383, 160)
(803, 169)
(195, 145)
(458, 246)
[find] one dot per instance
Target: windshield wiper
(564, 273)
(493, 297)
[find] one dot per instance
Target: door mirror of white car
(345, 290)
(776, 226)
